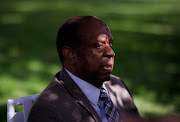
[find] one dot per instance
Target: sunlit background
(146, 42)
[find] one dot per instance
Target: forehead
(90, 30)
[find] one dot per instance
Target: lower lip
(109, 69)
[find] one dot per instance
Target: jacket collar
(77, 93)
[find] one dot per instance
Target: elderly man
(84, 90)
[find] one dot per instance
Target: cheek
(98, 53)
(96, 57)
(91, 58)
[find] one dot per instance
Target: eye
(98, 45)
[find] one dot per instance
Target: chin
(103, 78)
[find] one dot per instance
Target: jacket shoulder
(116, 80)
(121, 96)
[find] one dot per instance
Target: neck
(90, 79)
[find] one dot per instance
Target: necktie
(110, 110)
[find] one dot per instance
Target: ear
(68, 54)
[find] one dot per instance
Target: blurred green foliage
(146, 34)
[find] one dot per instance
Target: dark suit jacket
(63, 100)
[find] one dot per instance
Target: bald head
(77, 29)
(84, 44)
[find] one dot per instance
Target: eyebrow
(110, 41)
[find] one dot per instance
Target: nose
(109, 52)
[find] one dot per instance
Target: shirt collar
(91, 92)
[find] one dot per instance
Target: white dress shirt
(92, 93)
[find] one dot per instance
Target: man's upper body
(84, 45)
(63, 100)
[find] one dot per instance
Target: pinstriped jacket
(63, 100)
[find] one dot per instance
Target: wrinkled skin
(94, 57)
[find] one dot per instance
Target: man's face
(94, 56)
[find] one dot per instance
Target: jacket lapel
(77, 93)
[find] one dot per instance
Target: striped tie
(110, 110)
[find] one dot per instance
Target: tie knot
(103, 94)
